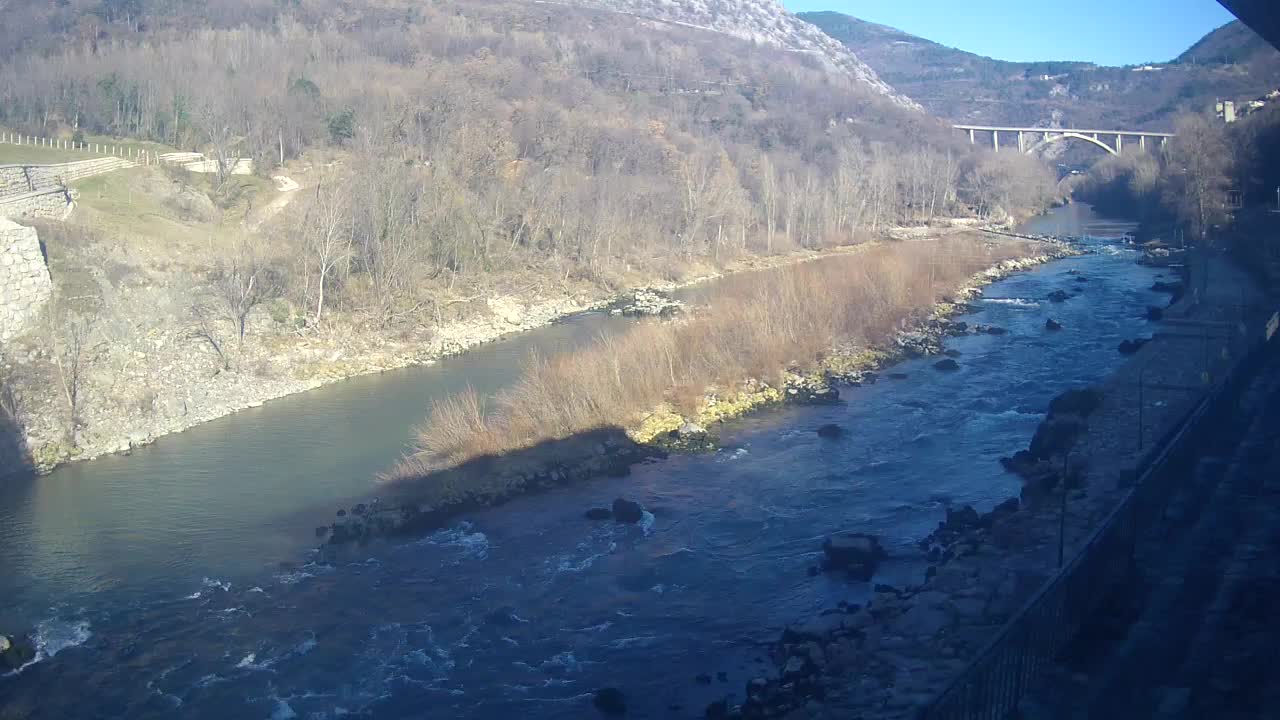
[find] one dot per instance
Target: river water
(179, 581)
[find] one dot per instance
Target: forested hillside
(1232, 62)
(505, 126)
(453, 158)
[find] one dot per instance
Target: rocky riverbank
(892, 655)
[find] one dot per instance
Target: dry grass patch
(757, 326)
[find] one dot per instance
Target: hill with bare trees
(465, 168)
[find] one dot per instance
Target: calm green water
(244, 492)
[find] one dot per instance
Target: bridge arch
(1070, 135)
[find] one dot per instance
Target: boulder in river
(717, 710)
(1059, 296)
(691, 429)
(1056, 434)
(16, 654)
(898, 376)
(610, 701)
(859, 554)
(947, 365)
(831, 431)
(1155, 313)
(627, 511)
(1076, 401)
(994, 330)
(952, 353)
(598, 513)
(1129, 347)
(1051, 324)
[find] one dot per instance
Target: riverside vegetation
(467, 170)
(764, 338)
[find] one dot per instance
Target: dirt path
(288, 189)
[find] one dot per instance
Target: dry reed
(756, 326)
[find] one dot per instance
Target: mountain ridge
(761, 21)
(1230, 62)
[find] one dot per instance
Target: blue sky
(1107, 32)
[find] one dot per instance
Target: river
(180, 580)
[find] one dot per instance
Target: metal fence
(992, 686)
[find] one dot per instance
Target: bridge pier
(1022, 145)
(995, 139)
(1119, 144)
(1142, 142)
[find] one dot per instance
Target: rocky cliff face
(763, 21)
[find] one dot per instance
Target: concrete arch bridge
(1032, 140)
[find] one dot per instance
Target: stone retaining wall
(14, 180)
(25, 285)
(52, 204)
(21, 179)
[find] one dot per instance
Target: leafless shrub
(205, 329)
(69, 337)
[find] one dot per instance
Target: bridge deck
(1130, 133)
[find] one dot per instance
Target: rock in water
(717, 710)
(1076, 401)
(691, 429)
(830, 431)
(947, 365)
(1058, 296)
(1154, 313)
(610, 701)
(1052, 324)
(898, 376)
(1129, 347)
(598, 514)
(15, 654)
(857, 553)
(952, 353)
(627, 511)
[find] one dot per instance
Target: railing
(138, 154)
(994, 683)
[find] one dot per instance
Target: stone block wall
(21, 179)
(53, 204)
(14, 180)
(25, 285)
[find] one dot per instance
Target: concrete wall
(25, 285)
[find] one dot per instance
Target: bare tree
(216, 132)
(1199, 160)
(328, 238)
(242, 283)
(206, 330)
(69, 336)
